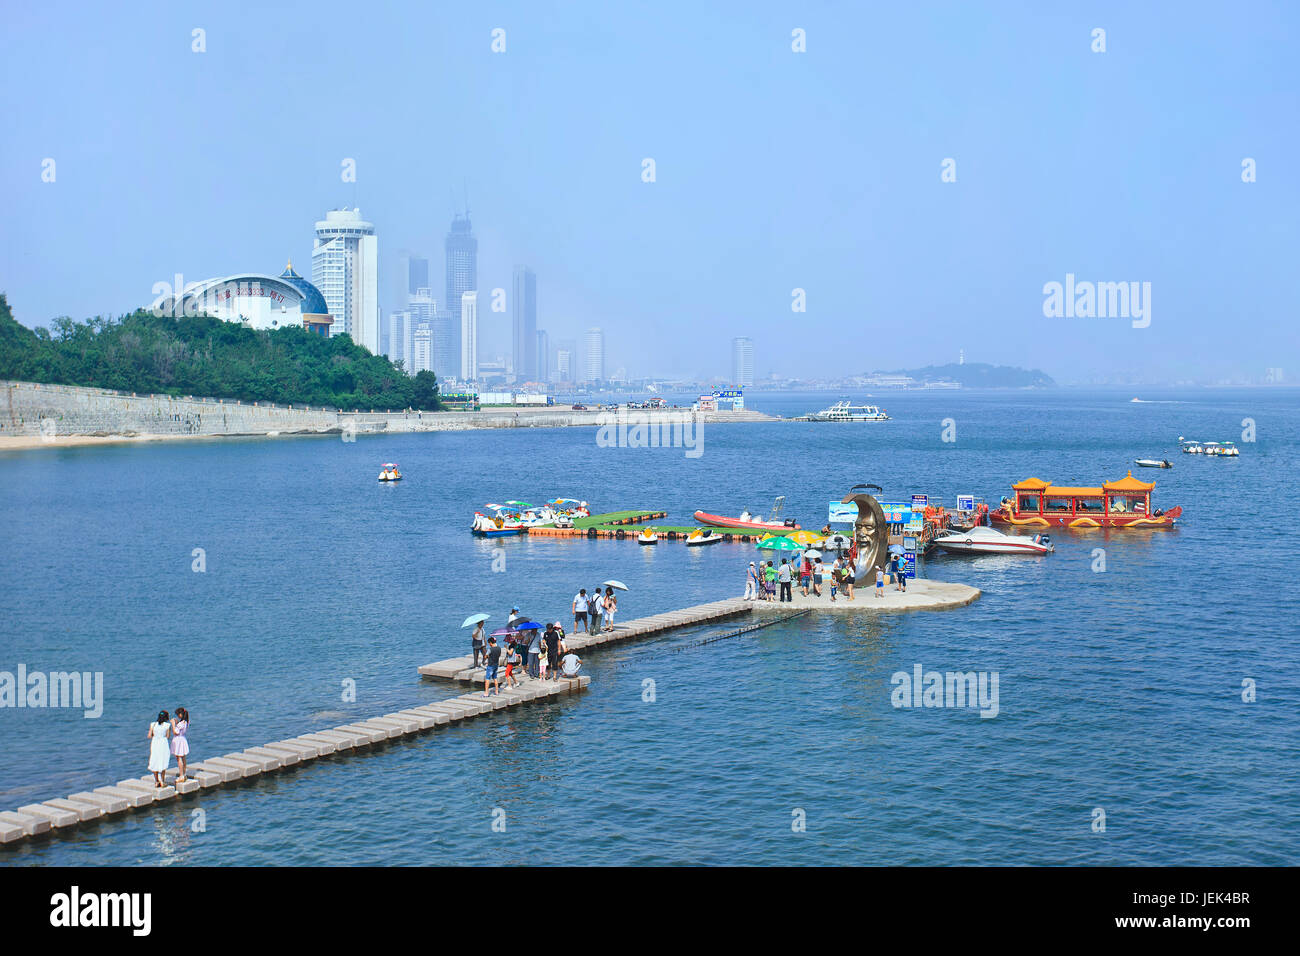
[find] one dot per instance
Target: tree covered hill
(209, 357)
(980, 375)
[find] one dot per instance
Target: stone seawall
(48, 412)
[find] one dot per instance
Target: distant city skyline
(912, 202)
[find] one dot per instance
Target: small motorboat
(984, 540)
(389, 472)
(647, 537)
(1152, 463)
(702, 536)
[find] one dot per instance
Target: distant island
(209, 357)
(967, 375)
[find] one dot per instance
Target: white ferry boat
(844, 412)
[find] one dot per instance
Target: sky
(774, 170)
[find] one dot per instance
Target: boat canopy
(1128, 484)
(1031, 484)
(1059, 491)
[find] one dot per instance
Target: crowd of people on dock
(766, 581)
(538, 651)
(168, 738)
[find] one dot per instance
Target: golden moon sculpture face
(871, 532)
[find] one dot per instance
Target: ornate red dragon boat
(1116, 504)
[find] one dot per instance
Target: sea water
(1148, 702)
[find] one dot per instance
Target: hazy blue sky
(775, 170)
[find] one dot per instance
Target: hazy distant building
(593, 355)
(400, 328)
(462, 271)
(525, 324)
(417, 273)
(563, 371)
(543, 356)
(345, 267)
(742, 361)
(446, 343)
(469, 336)
(421, 349)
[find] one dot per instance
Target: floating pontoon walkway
(459, 669)
(137, 793)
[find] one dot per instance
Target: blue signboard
(909, 564)
(728, 393)
(919, 502)
(965, 502)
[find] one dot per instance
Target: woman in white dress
(160, 754)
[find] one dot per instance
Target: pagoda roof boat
(1115, 504)
(985, 540)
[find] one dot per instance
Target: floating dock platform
(460, 669)
(90, 806)
(922, 594)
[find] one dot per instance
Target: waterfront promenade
(33, 415)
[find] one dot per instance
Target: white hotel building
(469, 337)
(345, 267)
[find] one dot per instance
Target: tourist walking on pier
(512, 661)
(783, 578)
(180, 744)
(769, 582)
(535, 653)
(552, 652)
(478, 645)
(805, 575)
(819, 572)
(595, 608)
(580, 610)
(848, 579)
(490, 672)
(751, 583)
(835, 578)
(880, 582)
(160, 755)
(611, 605)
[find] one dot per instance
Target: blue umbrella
(527, 626)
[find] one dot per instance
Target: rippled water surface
(1119, 690)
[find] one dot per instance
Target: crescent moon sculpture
(871, 532)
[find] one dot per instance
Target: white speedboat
(1152, 462)
(647, 537)
(985, 540)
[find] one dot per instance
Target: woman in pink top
(180, 745)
